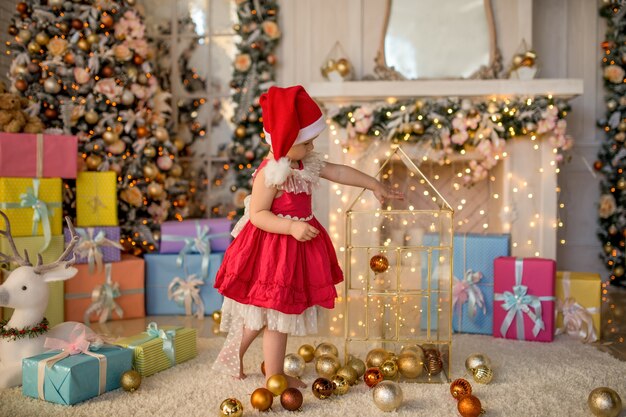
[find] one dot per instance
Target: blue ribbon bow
(168, 340)
(519, 302)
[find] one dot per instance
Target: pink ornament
(164, 163)
(249, 155)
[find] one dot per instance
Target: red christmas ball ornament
(22, 8)
(107, 72)
(137, 60)
(322, 388)
(50, 113)
(21, 85)
(373, 376)
(379, 263)
(13, 31)
(597, 165)
(142, 131)
(291, 399)
(69, 58)
(460, 388)
(107, 20)
(77, 24)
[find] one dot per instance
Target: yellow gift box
(33, 206)
(96, 199)
(55, 313)
(160, 348)
(579, 293)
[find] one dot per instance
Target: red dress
(276, 271)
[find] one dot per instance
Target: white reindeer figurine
(26, 291)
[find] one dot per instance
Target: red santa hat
(290, 117)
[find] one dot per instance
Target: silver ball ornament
(294, 365)
(51, 85)
(387, 395)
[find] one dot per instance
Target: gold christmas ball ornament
(110, 137)
(482, 374)
(358, 365)
(24, 36)
(293, 365)
(231, 407)
(149, 151)
(417, 349)
(410, 364)
(372, 377)
(176, 170)
(150, 171)
(291, 399)
(326, 365)
(307, 352)
(389, 369)
(608, 247)
(622, 126)
(240, 131)
(418, 128)
(277, 384)
(155, 190)
(343, 67)
(91, 117)
(161, 134)
(349, 374)
(460, 388)
(379, 263)
(376, 357)
(604, 402)
(93, 38)
(517, 60)
(618, 271)
(42, 38)
(179, 143)
(322, 388)
(33, 47)
(621, 184)
(93, 162)
(130, 380)
(476, 359)
(83, 44)
(328, 66)
(387, 396)
(469, 406)
(262, 399)
(326, 349)
(128, 97)
(340, 385)
(217, 316)
(51, 85)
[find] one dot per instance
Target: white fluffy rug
(532, 379)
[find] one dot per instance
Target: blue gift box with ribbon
(77, 377)
(182, 284)
(472, 282)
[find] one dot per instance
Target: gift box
(38, 155)
(55, 311)
(33, 206)
(212, 235)
(114, 293)
(524, 299)
(578, 304)
(96, 199)
(160, 348)
(472, 286)
(172, 290)
(97, 245)
(75, 378)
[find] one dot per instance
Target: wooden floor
(613, 322)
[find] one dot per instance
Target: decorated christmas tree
(85, 66)
(254, 72)
(611, 161)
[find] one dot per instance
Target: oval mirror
(438, 39)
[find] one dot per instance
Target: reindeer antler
(17, 258)
(41, 268)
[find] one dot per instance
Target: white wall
(566, 35)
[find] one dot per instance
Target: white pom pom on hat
(290, 117)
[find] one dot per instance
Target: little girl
(281, 264)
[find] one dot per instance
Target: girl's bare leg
(246, 340)
(274, 347)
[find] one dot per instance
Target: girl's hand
(382, 191)
(302, 231)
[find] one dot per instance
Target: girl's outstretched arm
(262, 217)
(346, 175)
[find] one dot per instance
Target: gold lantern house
(398, 276)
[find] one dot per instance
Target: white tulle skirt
(236, 316)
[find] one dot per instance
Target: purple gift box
(97, 244)
(177, 235)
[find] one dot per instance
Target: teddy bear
(13, 119)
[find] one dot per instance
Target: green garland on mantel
(462, 125)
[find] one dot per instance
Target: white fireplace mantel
(362, 91)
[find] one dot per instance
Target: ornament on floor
(322, 388)
(376, 357)
(387, 395)
(372, 377)
(483, 374)
(604, 402)
(291, 399)
(277, 384)
(340, 385)
(476, 359)
(293, 365)
(358, 365)
(327, 365)
(379, 263)
(460, 388)
(524, 63)
(231, 407)
(307, 352)
(130, 380)
(326, 349)
(389, 368)
(349, 373)
(262, 399)
(337, 67)
(217, 316)
(410, 364)
(433, 363)
(469, 406)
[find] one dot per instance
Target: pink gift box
(523, 306)
(40, 155)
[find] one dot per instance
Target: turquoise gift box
(162, 269)
(472, 282)
(75, 378)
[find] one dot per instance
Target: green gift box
(160, 348)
